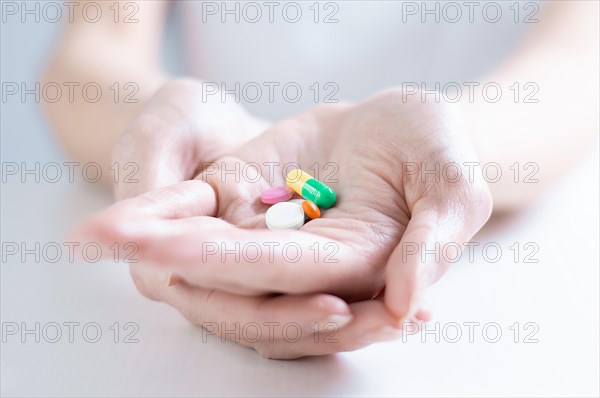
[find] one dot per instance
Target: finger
(136, 219)
(286, 327)
(371, 323)
(230, 256)
(210, 252)
(406, 274)
(238, 185)
(257, 322)
(170, 137)
(156, 151)
(161, 158)
(423, 314)
(432, 239)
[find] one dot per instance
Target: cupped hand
(375, 155)
(384, 158)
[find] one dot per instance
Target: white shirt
(374, 45)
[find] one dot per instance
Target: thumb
(411, 266)
(176, 130)
(435, 236)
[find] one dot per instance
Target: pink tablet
(275, 195)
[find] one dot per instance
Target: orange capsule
(311, 209)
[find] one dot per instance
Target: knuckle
(409, 112)
(469, 198)
(482, 200)
(478, 201)
(392, 96)
(329, 108)
(398, 100)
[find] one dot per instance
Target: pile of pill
(288, 213)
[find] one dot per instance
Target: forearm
(560, 57)
(120, 58)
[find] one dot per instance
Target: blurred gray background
(25, 48)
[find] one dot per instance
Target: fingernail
(164, 277)
(415, 303)
(172, 280)
(383, 333)
(339, 320)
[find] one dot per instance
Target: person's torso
(279, 58)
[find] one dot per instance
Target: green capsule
(310, 188)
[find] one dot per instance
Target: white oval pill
(285, 215)
(299, 203)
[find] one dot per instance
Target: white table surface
(559, 294)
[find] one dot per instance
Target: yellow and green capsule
(310, 188)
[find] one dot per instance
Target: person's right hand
(175, 133)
